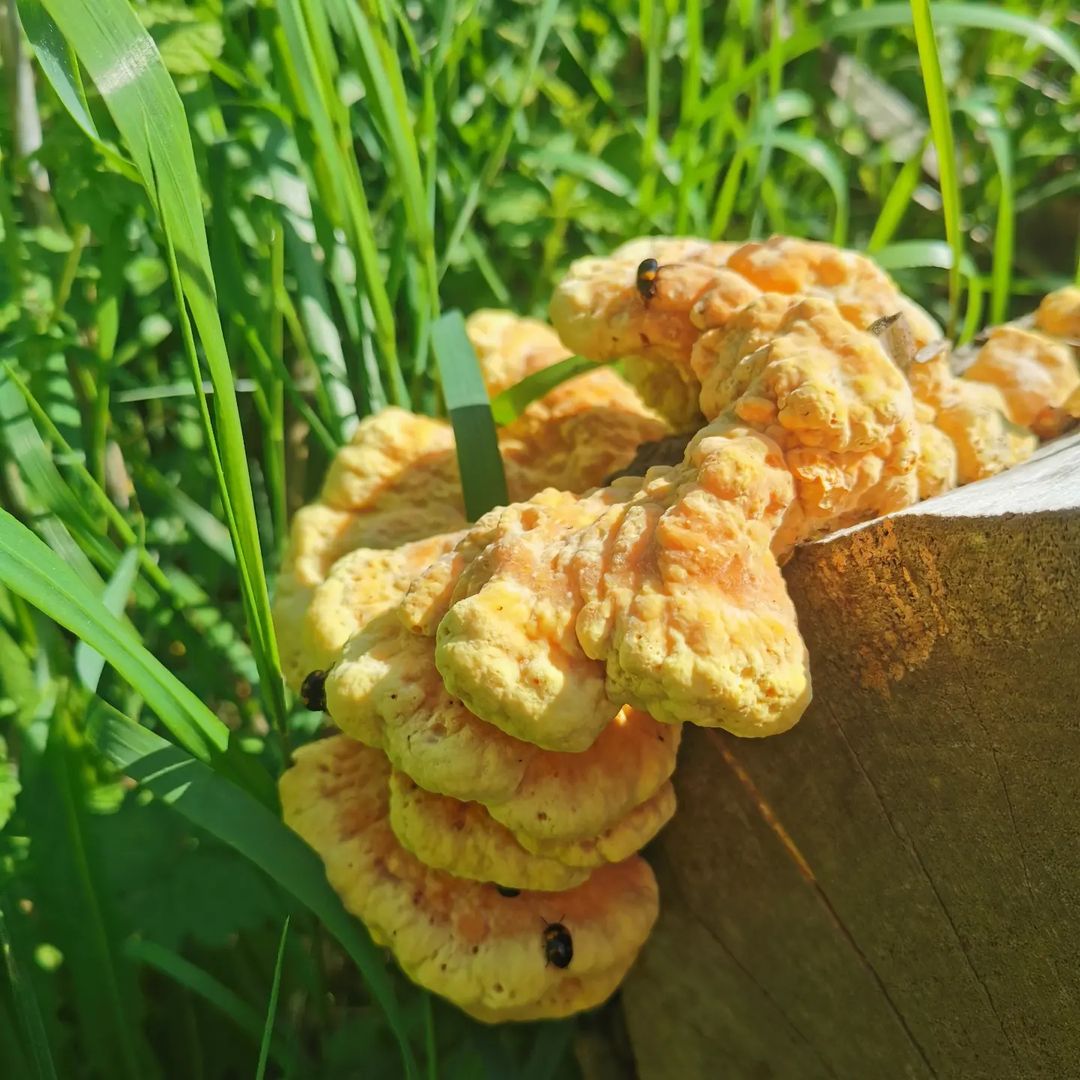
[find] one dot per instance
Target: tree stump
(892, 889)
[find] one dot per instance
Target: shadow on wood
(892, 889)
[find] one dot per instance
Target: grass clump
(229, 229)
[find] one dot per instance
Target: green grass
(239, 232)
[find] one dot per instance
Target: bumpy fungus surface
(599, 312)
(662, 592)
(397, 479)
(386, 692)
(462, 938)
(512, 691)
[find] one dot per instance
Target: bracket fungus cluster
(510, 692)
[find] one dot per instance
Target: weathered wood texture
(892, 889)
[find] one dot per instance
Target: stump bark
(892, 889)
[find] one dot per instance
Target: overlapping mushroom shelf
(510, 692)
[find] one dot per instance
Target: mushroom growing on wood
(512, 691)
(466, 940)
(599, 312)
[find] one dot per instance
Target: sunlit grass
(278, 200)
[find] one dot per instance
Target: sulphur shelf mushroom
(510, 692)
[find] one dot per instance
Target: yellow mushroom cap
(397, 482)
(362, 584)
(973, 415)
(1059, 314)
(465, 840)
(599, 312)
(861, 290)
(660, 592)
(462, 939)
(1034, 373)
(386, 692)
(831, 398)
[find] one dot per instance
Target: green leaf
(820, 158)
(88, 661)
(27, 1009)
(913, 254)
(897, 201)
(271, 1008)
(57, 60)
(124, 63)
(212, 990)
(188, 40)
(30, 569)
(9, 784)
(483, 481)
(228, 813)
(986, 119)
(937, 101)
(512, 402)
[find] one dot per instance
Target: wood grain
(892, 889)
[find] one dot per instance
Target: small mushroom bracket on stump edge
(892, 889)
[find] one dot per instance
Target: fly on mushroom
(647, 280)
(313, 691)
(558, 945)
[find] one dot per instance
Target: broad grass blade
(230, 814)
(483, 482)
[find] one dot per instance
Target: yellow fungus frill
(462, 939)
(511, 691)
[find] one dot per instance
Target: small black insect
(558, 945)
(313, 691)
(647, 272)
(505, 890)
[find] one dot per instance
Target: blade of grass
(26, 1007)
(650, 24)
(97, 971)
(216, 993)
(228, 813)
(544, 19)
(59, 65)
(990, 122)
(820, 158)
(512, 402)
(124, 63)
(483, 482)
(89, 663)
(346, 194)
(937, 102)
(271, 1008)
(186, 597)
(431, 1051)
(386, 87)
(886, 16)
(897, 201)
(30, 570)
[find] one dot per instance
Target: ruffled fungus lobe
(386, 692)
(599, 312)
(661, 592)
(512, 692)
(397, 479)
(462, 939)
(831, 398)
(973, 416)
(1059, 314)
(1034, 373)
(466, 840)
